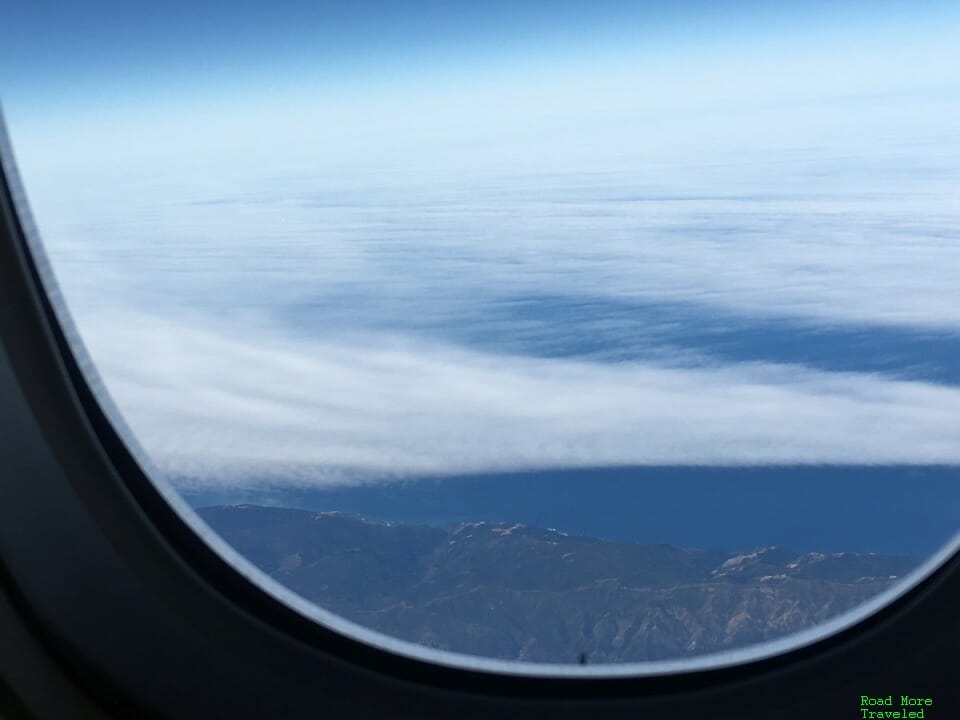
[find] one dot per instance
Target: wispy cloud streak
(228, 406)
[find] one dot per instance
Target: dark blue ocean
(910, 510)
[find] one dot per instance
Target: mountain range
(518, 592)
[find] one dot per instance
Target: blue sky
(49, 47)
(283, 85)
(438, 238)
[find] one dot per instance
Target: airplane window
(554, 333)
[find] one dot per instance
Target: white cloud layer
(186, 302)
(230, 406)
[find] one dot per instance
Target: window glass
(552, 332)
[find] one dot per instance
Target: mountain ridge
(523, 592)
